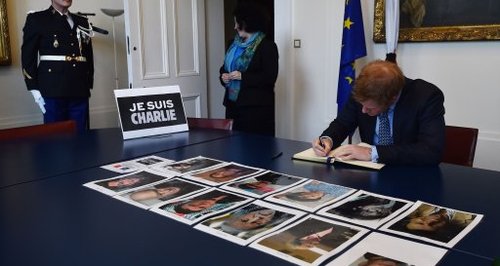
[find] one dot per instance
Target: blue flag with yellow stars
(353, 47)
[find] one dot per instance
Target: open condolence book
(309, 155)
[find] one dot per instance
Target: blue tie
(384, 130)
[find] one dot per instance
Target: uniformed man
(58, 64)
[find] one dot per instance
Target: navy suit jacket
(418, 126)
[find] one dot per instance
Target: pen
(277, 155)
(321, 143)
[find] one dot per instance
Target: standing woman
(249, 72)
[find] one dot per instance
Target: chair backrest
(460, 145)
(215, 123)
(64, 127)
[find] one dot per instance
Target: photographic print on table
(221, 174)
(197, 207)
(434, 224)
(136, 164)
(186, 166)
(367, 209)
(263, 184)
(122, 183)
(311, 195)
(309, 241)
(157, 193)
(249, 222)
(388, 250)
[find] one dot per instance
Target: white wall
(215, 56)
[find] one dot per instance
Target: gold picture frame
(433, 34)
(5, 55)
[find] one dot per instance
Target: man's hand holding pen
(322, 146)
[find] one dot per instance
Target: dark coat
(48, 33)
(257, 82)
(418, 126)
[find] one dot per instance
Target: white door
(166, 46)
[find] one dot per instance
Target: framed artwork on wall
(442, 20)
(5, 56)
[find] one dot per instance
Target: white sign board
(150, 111)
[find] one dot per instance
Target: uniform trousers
(62, 109)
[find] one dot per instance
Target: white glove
(38, 99)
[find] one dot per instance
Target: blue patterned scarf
(238, 57)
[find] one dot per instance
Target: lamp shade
(112, 12)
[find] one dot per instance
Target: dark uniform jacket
(418, 126)
(48, 33)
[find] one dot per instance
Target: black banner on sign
(151, 111)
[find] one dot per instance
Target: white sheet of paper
(389, 249)
(311, 195)
(136, 164)
(310, 240)
(190, 216)
(458, 224)
(124, 183)
(222, 173)
(247, 223)
(370, 213)
(263, 184)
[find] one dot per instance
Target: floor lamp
(113, 13)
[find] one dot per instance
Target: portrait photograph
(200, 206)
(247, 223)
(311, 195)
(264, 184)
(157, 193)
(114, 185)
(309, 241)
(186, 166)
(136, 164)
(433, 223)
(221, 174)
(366, 209)
(378, 249)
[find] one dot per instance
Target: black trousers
(252, 119)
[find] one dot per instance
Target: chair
(215, 123)
(460, 145)
(63, 127)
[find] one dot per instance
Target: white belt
(63, 58)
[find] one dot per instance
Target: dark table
(26, 160)
(57, 221)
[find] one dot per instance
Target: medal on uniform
(55, 43)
